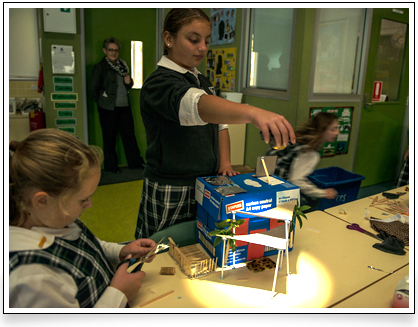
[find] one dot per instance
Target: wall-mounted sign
(69, 129)
(220, 68)
(64, 96)
(377, 91)
(63, 80)
(62, 58)
(63, 88)
(65, 105)
(63, 121)
(223, 25)
(65, 113)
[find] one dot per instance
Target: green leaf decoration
(303, 208)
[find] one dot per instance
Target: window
(338, 51)
(23, 44)
(136, 64)
(269, 49)
(390, 58)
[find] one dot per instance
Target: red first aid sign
(377, 91)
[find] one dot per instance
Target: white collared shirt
(44, 286)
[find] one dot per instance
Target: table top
(328, 263)
(378, 295)
(355, 211)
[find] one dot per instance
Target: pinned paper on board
(62, 58)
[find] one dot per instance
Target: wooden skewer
(155, 299)
(265, 170)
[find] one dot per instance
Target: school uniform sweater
(180, 146)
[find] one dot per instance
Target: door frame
(373, 29)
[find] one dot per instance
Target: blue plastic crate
(345, 183)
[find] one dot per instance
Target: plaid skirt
(162, 206)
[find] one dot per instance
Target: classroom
(290, 59)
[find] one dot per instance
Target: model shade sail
(276, 237)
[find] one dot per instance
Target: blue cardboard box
(259, 196)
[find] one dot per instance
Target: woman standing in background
(109, 86)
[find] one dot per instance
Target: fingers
(291, 132)
(147, 243)
(279, 128)
(283, 132)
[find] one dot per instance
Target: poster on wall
(340, 145)
(223, 25)
(220, 68)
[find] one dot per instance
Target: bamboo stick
(156, 299)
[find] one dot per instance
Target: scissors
(361, 230)
(137, 263)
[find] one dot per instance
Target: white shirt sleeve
(302, 166)
(223, 126)
(40, 286)
(188, 113)
(111, 251)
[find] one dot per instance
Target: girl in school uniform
(55, 261)
(185, 125)
(297, 161)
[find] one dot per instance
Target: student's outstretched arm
(216, 110)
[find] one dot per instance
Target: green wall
(140, 24)
(136, 24)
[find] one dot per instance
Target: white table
(328, 264)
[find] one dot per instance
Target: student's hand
(128, 284)
(127, 79)
(137, 249)
(269, 121)
(227, 170)
(330, 193)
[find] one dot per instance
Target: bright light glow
(136, 63)
(309, 288)
(253, 74)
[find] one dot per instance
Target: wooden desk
(356, 210)
(328, 264)
(378, 295)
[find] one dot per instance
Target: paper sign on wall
(377, 91)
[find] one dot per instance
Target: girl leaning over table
(297, 161)
(185, 125)
(55, 261)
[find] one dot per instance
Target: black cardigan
(103, 79)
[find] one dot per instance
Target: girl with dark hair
(297, 161)
(185, 125)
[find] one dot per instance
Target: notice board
(345, 117)
(220, 68)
